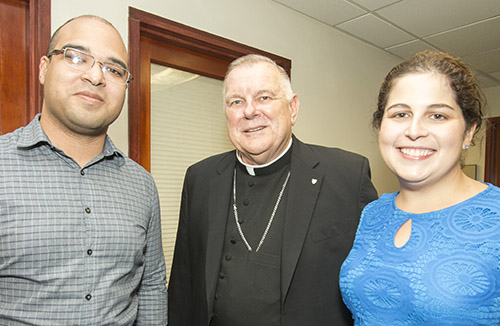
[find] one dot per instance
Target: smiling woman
(422, 134)
(431, 259)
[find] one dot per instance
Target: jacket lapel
(305, 183)
(219, 200)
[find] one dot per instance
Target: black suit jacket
(328, 189)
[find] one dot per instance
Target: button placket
(88, 241)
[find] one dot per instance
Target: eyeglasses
(82, 61)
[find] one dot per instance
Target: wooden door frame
(36, 36)
(490, 172)
(149, 28)
(39, 37)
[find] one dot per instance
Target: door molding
(39, 37)
(25, 30)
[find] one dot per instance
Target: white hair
(253, 59)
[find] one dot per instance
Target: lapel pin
(313, 181)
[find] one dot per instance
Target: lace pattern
(448, 273)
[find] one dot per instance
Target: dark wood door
(492, 153)
(24, 36)
(14, 65)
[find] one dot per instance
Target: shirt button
(89, 252)
(251, 183)
(233, 241)
(228, 257)
(246, 202)
(82, 172)
(221, 275)
(87, 210)
(88, 297)
(240, 220)
(217, 296)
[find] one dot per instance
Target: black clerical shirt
(248, 289)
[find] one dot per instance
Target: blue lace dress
(448, 273)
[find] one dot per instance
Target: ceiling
(469, 29)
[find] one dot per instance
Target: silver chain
(235, 208)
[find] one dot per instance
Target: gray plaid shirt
(78, 246)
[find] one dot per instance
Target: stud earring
(467, 146)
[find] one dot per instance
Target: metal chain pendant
(235, 208)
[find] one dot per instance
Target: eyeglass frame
(63, 51)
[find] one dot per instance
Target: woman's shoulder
(491, 193)
(383, 201)
(378, 211)
(494, 189)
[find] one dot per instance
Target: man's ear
(44, 65)
(294, 108)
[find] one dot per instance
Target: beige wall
(336, 76)
(493, 101)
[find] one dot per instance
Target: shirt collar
(33, 135)
(110, 150)
(255, 169)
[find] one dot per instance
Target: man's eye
(265, 98)
(114, 70)
(76, 59)
(235, 102)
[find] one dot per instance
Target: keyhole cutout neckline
(403, 234)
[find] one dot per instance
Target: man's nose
(250, 110)
(95, 75)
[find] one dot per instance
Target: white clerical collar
(251, 168)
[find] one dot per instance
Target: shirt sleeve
(153, 292)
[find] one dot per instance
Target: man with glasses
(79, 221)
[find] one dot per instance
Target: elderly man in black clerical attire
(264, 228)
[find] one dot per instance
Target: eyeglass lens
(84, 62)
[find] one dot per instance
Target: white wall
(337, 77)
